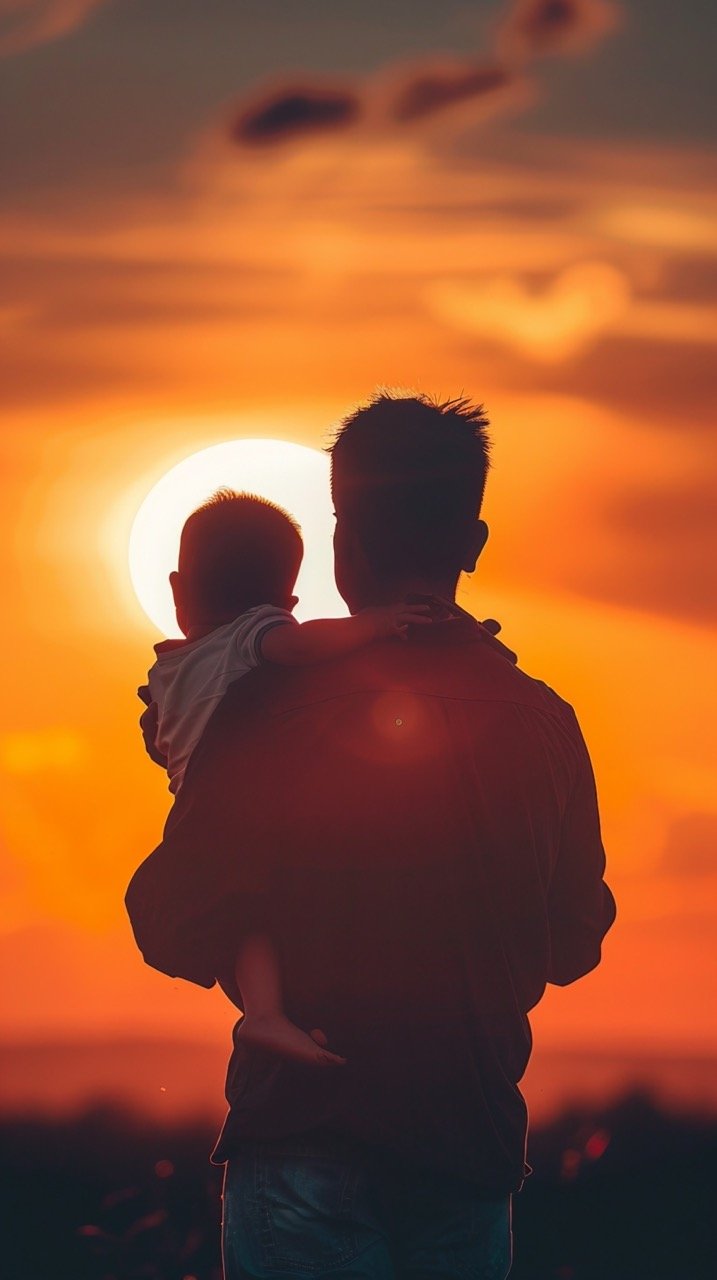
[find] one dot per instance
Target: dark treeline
(619, 1194)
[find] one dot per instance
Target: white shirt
(190, 677)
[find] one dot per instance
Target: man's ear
(351, 569)
(477, 540)
(175, 583)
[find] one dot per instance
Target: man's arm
(581, 907)
(326, 638)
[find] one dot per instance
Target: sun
(292, 475)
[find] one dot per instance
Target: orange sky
(565, 282)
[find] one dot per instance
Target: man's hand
(148, 724)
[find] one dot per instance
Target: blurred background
(225, 220)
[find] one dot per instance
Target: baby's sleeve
(255, 625)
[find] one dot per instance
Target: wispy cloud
(663, 226)
(373, 224)
(25, 23)
(411, 94)
(551, 323)
(433, 88)
(400, 96)
(555, 321)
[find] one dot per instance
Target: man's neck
(391, 592)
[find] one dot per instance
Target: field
(620, 1193)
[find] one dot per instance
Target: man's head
(407, 478)
(236, 551)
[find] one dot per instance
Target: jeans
(313, 1207)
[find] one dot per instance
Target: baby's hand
(148, 724)
(394, 619)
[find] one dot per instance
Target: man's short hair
(236, 551)
(409, 473)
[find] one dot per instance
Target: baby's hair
(238, 550)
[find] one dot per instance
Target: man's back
(421, 819)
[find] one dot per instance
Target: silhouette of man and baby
(384, 843)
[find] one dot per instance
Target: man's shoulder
(468, 668)
(544, 697)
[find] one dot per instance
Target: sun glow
(292, 475)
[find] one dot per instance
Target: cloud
(377, 250)
(691, 846)
(292, 113)
(434, 89)
(677, 322)
(410, 96)
(550, 324)
(665, 382)
(25, 23)
(683, 229)
(560, 320)
(655, 551)
(536, 28)
(400, 96)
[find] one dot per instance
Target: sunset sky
(225, 219)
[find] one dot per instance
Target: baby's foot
(277, 1034)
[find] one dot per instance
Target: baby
(239, 557)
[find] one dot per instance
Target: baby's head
(236, 551)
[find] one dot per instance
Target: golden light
(292, 475)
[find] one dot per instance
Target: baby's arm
(258, 978)
(332, 637)
(259, 981)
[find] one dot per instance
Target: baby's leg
(265, 1023)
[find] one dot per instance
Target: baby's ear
(293, 601)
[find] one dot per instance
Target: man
(417, 828)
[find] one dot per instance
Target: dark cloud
(691, 847)
(292, 113)
(435, 89)
(529, 29)
(534, 28)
